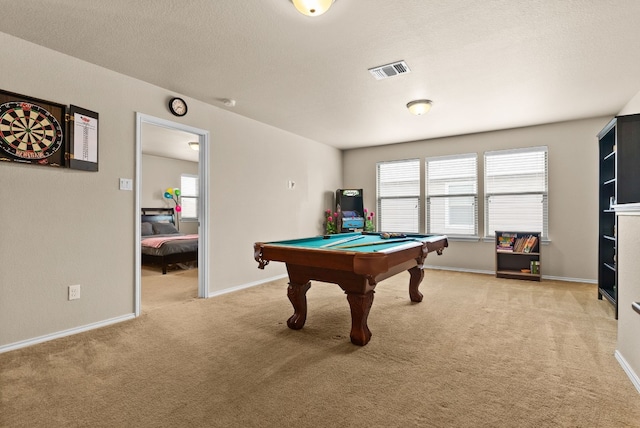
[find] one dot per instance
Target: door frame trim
(203, 206)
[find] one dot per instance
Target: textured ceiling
(487, 65)
(168, 143)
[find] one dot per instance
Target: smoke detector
(389, 70)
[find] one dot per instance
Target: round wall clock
(28, 131)
(178, 106)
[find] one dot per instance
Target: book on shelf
(511, 242)
(530, 244)
(535, 267)
(506, 242)
(518, 246)
(524, 244)
(521, 243)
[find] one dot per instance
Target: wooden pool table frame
(356, 272)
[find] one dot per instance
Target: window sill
(463, 238)
(545, 241)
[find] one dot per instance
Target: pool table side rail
(316, 257)
(372, 263)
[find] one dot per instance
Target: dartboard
(28, 131)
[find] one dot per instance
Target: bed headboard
(158, 215)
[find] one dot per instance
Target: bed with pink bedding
(161, 242)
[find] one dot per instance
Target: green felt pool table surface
(356, 241)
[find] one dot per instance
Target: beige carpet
(477, 352)
(159, 290)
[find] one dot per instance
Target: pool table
(354, 261)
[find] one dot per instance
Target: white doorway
(142, 122)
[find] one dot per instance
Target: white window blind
(398, 194)
(452, 194)
(516, 190)
(189, 197)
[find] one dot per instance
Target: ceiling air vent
(389, 70)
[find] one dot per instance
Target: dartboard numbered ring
(28, 131)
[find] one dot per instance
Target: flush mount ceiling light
(420, 107)
(195, 145)
(312, 7)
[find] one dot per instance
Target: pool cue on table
(388, 241)
(342, 241)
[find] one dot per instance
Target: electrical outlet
(74, 292)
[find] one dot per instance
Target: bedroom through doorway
(169, 211)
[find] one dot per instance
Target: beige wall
(61, 227)
(628, 346)
(573, 178)
(158, 174)
(632, 107)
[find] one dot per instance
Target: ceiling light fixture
(195, 145)
(312, 7)
(419, 107)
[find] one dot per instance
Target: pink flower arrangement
(369, 225)
(330, 222)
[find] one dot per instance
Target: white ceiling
(487, 65)
(168, 143)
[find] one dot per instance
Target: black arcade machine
(350, 209)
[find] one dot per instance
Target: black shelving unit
(607, 230)
(619, 184)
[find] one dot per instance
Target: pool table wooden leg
(417, 273)
(297, 294)
(360, 306)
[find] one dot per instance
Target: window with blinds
(189, 197)
(516, 186)
(398, 192)
(452, 195)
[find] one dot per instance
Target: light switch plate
(126, 184)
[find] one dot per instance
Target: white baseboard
(63, 333)
(564, 278)
(491, 272)
(635, 380)
(248, 285)
(455, 269)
